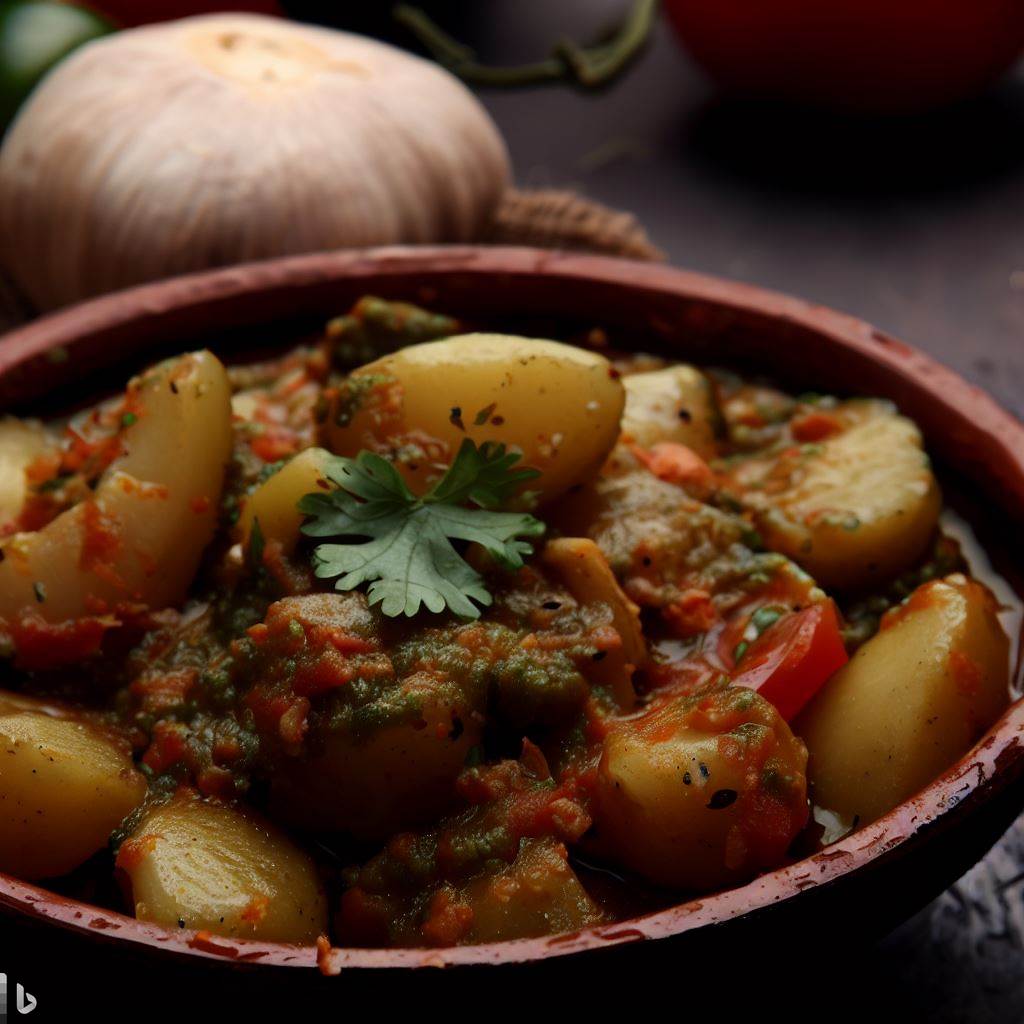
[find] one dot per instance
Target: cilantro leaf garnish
(401, 544)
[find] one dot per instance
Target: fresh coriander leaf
(401, 544)
(483, 475)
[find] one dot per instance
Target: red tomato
(791, 660)
(128, 13)
(674, 463)
(879, 55)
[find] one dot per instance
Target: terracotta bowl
(874, 877)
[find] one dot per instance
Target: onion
(225, 138)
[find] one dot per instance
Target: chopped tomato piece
(674, 463)
(794, 658)
(274, 442)
(40, 645)
(814, 426)
(694, 612)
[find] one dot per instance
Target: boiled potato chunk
(675, 404)
(274, 504)
(701, 792)
(401, 772)
(910, 702)
(558, 405)
(537, 894)
(65, 785)
(856, 508)
(140, 538)
(20, 443)
(194, 863)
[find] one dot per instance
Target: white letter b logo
(26, 1002)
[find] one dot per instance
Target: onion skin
(226, 138)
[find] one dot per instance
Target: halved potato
(674, 404)
(65, 785)
(909, 702)
(140, 537)
(855, 508)
(21, 441)
(556, 404)
(194, 863)
(701, 792)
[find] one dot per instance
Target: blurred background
(913, 221)
(887, 181)
(862, 154)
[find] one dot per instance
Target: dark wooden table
(917, 226)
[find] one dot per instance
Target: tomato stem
(588, 67)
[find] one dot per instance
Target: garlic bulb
(224, 138)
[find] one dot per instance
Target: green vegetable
(33, 37)
(406, 553)
(374, 327)
(764, 617)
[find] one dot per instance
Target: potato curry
(421, 637)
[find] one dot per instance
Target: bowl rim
(111, 322)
